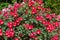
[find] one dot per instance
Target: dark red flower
(20, 34)
(34, 10)
(53, 15)
(39, 18)
(56, 24)
(44, 22)
(30, 3)
(40, 2)
(55, 37)
(39, 7)
(9, 33)
(16, 6)
(1, 32)
(10, 24)
(28, 26)
(32, 35)
(50, 27)
(20, 18)
(14, 24)
(1, 22)
(48, 16)
(16, 39)
(14, 14)
(38, 31)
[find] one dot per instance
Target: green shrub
(3, 5)
(53, 4)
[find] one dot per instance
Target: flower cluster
(55, 37)
(28, 19)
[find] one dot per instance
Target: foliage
(3, 5)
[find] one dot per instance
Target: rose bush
(29, 20)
